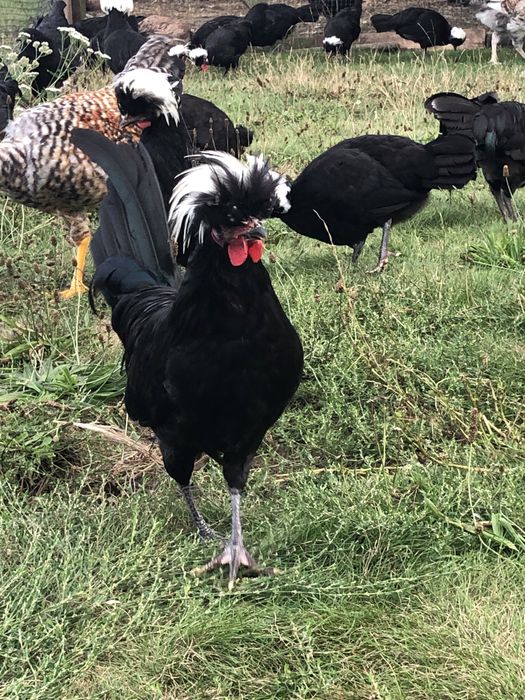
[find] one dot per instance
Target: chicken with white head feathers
(173, 124)
(211, 363)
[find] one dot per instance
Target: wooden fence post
(75, 10)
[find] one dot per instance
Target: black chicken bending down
(498, 129)
(119, 40)
(370, 181)
(273, 22)
(211, 363)
(426, 27)
(342, 30)
(150, 100)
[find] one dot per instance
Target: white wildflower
(74, 34)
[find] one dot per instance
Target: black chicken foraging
(498, 129)
(342, 30)
(370, 181)
(273, 22)
(426, 27)
(212, 363)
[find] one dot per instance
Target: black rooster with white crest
(371, 181)
(211, 364)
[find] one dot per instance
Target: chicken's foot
(234, 553)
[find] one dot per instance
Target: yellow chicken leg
(77, 283)
(79, 236)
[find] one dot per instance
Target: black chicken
(198, 38)
(55, 67)
(272, 22)
(426, 27)
(370, 181)
(226, 44)
(8, 93)
(118, 39)
(151, 100)
(211, 364)
(498, 128)
(342, 30)
(173, 126)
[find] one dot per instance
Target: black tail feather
(382, 23)
(454, 160)
(132, 217)
(454, 112)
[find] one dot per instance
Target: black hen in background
(53, 68)
(342, 30)
(421, 25)
(151, 100)
(211, 364)
(91, 26)
(8, 93)
(371, 181)
(226, 44)
(209, 128)
(272, 22)
(498, 129)
(198, 38)
(118, 39)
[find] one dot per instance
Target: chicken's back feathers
(40, 167)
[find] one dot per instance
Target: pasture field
(391, 495)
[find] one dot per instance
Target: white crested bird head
(332, 41)
(125, 6)
(145, 95)
(222, 196)
(457, 36)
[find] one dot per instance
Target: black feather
(133, 221)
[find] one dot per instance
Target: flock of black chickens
(211, 358)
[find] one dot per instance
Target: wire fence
(17, 14)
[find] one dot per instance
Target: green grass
(390, 495)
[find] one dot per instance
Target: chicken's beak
(128, 119)
(257, 232)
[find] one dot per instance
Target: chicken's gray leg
(494, 41)
(384, 253)
(357, 251)
(234, 553)
(505, 205)
(205, 531)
